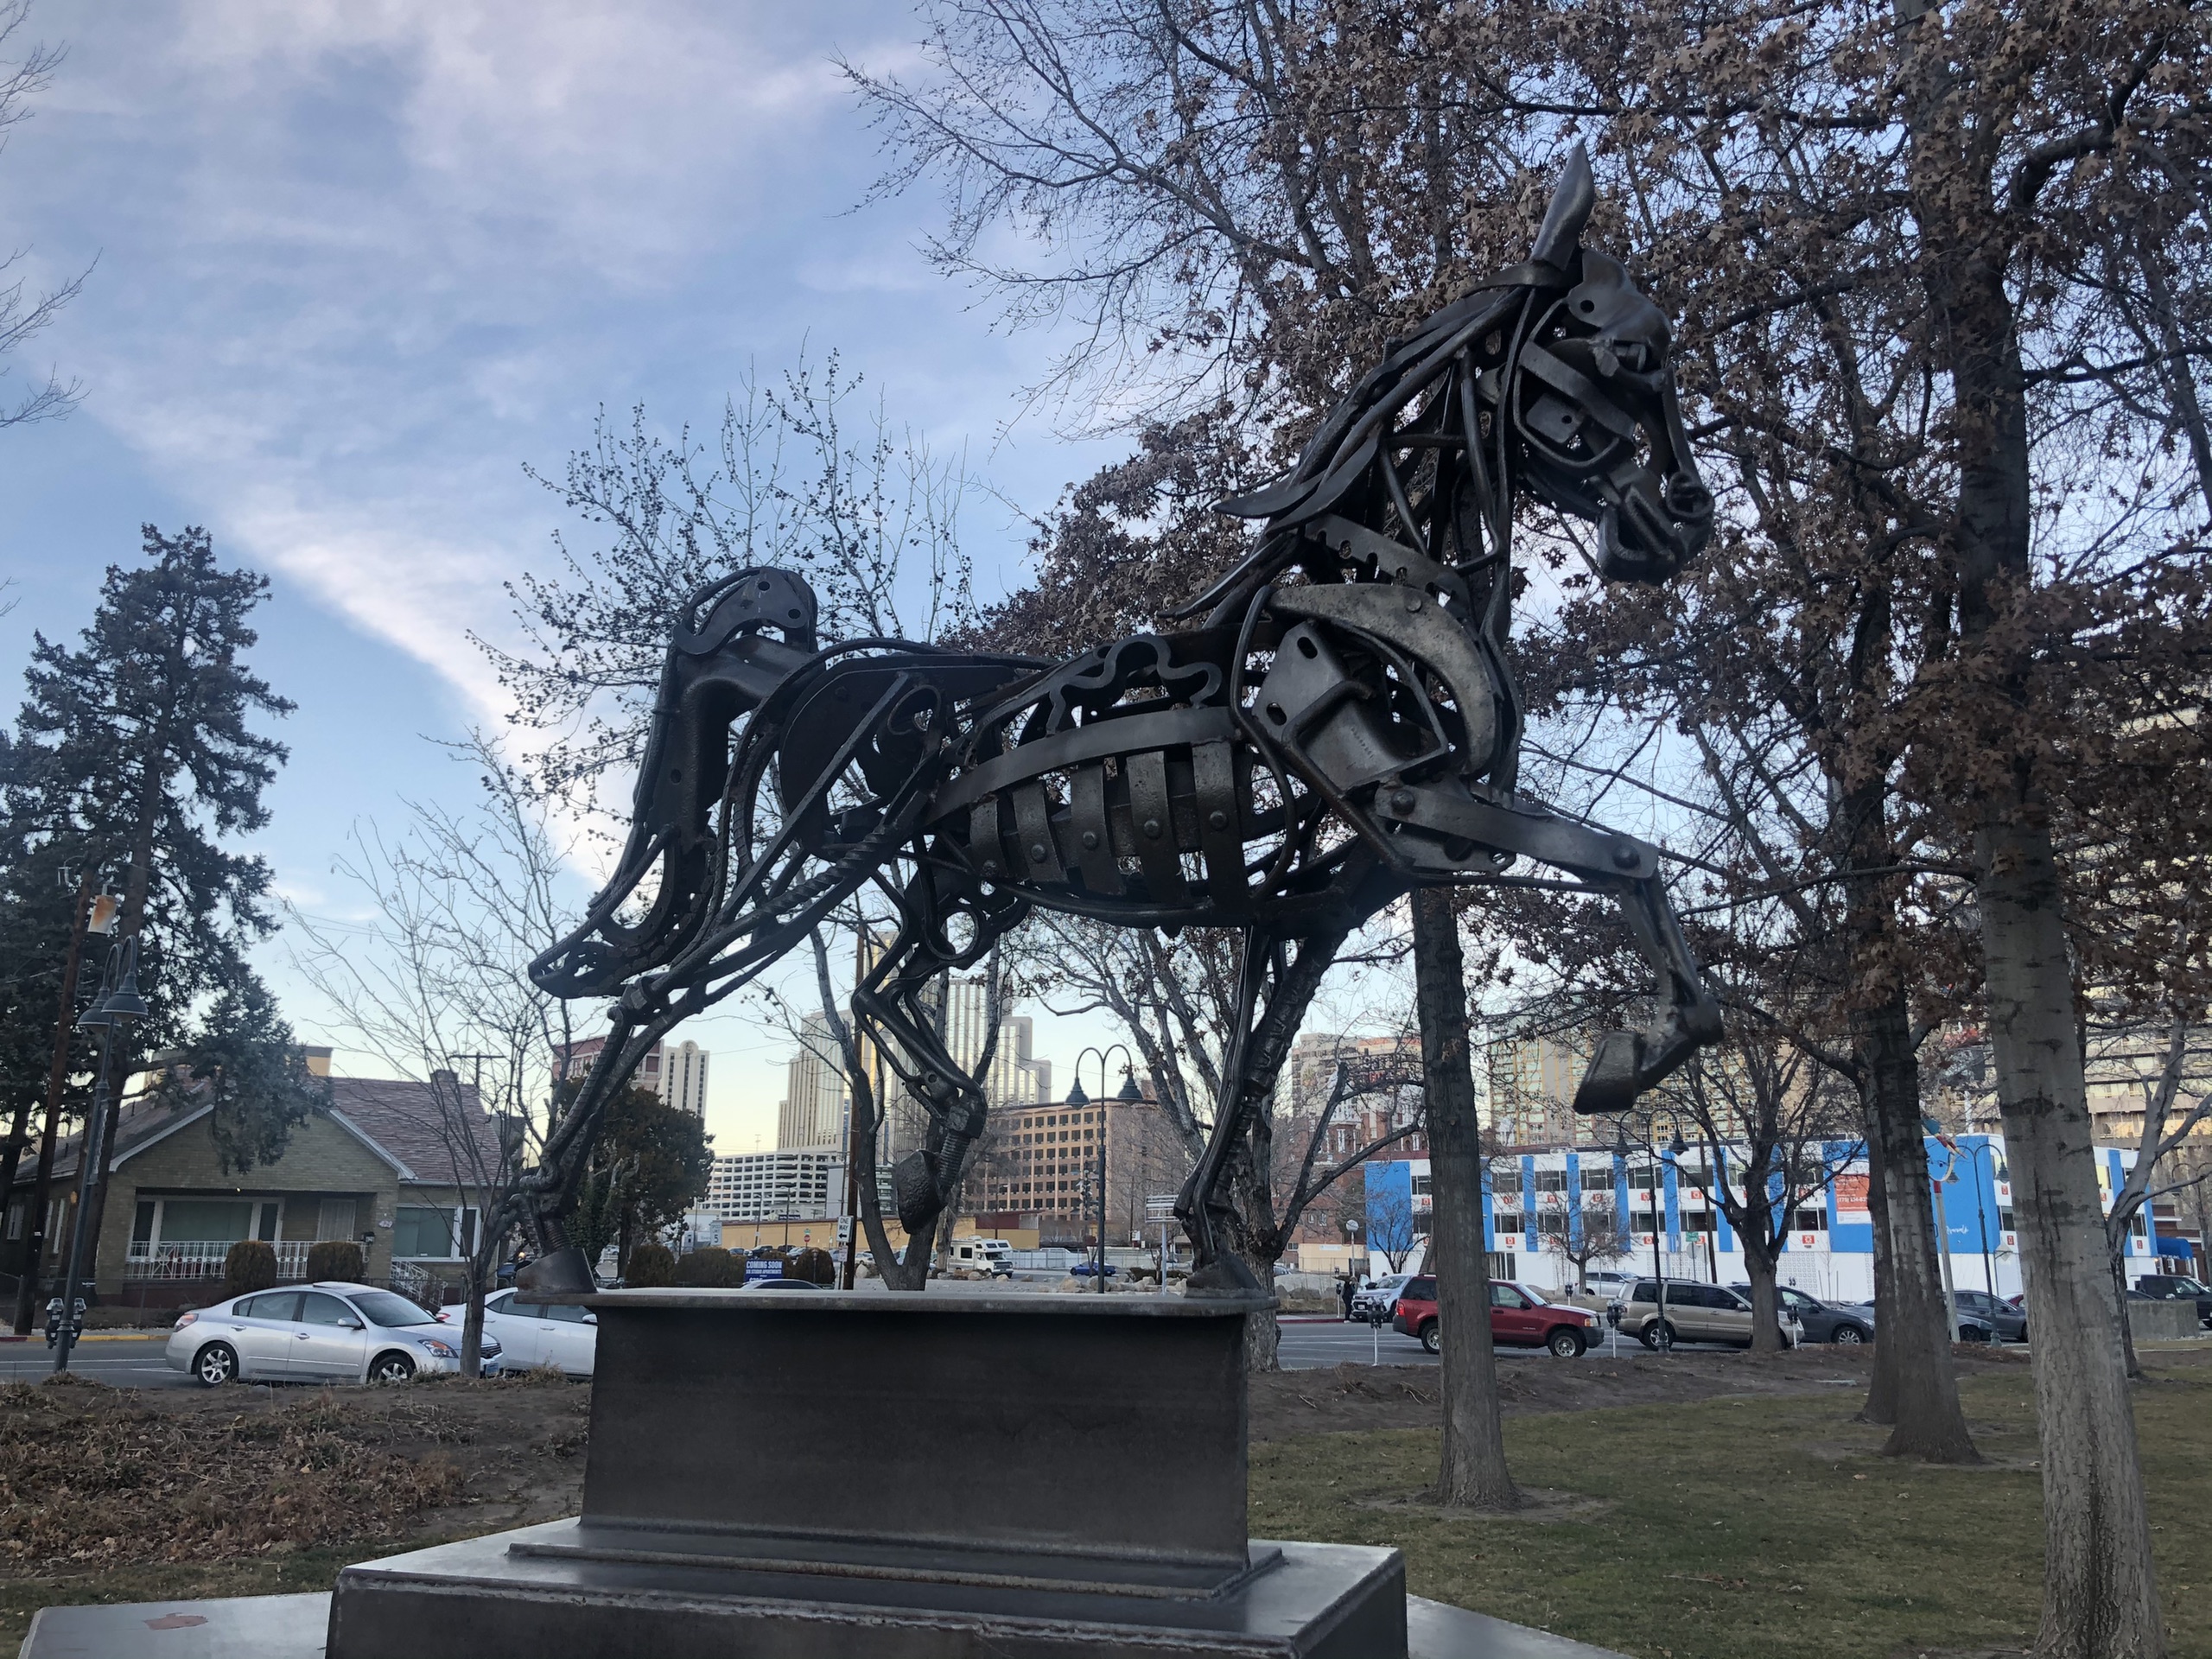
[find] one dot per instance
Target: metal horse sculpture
(1337, 727)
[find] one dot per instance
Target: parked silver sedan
(322, 1333)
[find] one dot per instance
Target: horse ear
(1569, 212)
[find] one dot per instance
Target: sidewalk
(158, 1334)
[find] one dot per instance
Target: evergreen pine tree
(133, 753)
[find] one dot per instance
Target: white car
(331, 1332)
(541, 1333)
(1376, 1300)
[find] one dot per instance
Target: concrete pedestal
(806, 1475)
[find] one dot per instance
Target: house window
(16, 1211)
(1810, 1220)
(1551, 1180)
(1643, 1221)
(420, 1233)
(1599, 1179)
(210, 1221)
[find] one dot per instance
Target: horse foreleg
(1629, 1062)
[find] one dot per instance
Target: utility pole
(57, 1080)
(119, 1006)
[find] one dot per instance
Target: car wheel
(1662, 1333)
(1851, 1335)
(1565, 1343)
(216, 1365)
(392, 1367)
(1649, 1336)
(1429, 1339)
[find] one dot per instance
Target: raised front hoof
(1226, 1275)
(1614, 1078)
(564, 1273)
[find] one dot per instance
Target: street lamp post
(1944, 1224)
(1981, 1211)
(1130, 1094)
(116, 1007)
(1623, 1150)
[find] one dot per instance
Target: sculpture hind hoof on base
(1226, 1275)
(563, 1272)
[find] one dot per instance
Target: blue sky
(359, 263)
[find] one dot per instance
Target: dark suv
(2174, 1288)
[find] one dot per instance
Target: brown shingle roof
(400, 1117)
(403, 1119)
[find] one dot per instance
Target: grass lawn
(1752, 1528)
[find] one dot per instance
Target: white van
(992, 1255)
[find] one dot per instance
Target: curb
(96, 1335)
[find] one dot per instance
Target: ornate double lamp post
(1129, 1095)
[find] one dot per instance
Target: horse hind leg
(921, 1182)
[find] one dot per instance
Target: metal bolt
(1402, 800)
(990, 866)
(1037, 851)
(1090, 840)
(1413, 602)
(1152, 828)
(1626, 856)
(1218, 820)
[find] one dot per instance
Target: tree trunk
(1766, 1299)
(2133, 1363)
(472, 1323)
(1881, 1407)
(1474, 1473)
(1929, 1423)
(2100, 1597)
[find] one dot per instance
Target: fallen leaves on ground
(91, 1476)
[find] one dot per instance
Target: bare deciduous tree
(438, 987)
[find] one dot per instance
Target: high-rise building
(1532, 1084)
(811, 1117)
(678, 1076)
(684, 1077)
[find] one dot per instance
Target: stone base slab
(293, 1627)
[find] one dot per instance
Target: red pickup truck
(1518, 1317)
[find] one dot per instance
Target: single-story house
(381, 1164)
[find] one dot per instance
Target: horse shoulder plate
(1420, 627)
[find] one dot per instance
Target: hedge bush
(335, 1258)
(250, 1266)
(713, 1268)
(816, 1265)
(650, 1265)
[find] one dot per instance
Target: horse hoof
(1226, 1275)
(564, 1273)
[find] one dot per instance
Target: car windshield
(2188, 1287)
(384, 1308)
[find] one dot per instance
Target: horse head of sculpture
(1590, 403)
(1555, 377)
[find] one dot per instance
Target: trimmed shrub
(650, 1265)
(711, 1268)
(250, 1266)
(335, 1258)
(817, 1266)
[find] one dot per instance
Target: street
(131, 1363)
